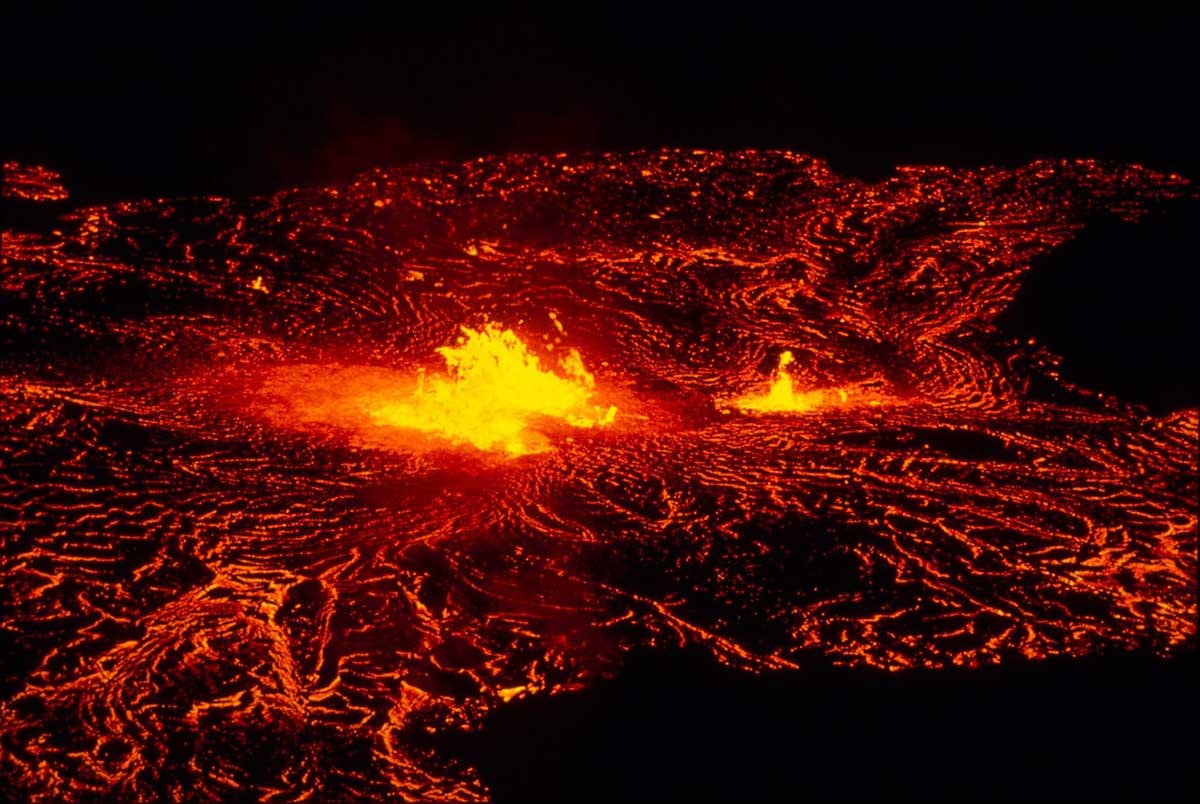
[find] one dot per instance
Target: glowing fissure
(494, 390)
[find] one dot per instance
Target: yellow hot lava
(495, 388)
(782, 396)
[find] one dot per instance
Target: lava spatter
(248, 552)
(495, 397)
(783, 396)
(496, 386)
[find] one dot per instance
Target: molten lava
(250, 552)
(495, 389)
(494, 397)
(31, 183)
(782, 396)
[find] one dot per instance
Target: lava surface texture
(253, 543)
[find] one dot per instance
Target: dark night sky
(230, 100)
(236, 101)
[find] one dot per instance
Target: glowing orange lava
(784, 397)
(495, 388)
(31, 183)
(496, 396)
(251, 551)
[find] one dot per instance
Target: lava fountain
(495, 397)
(496, 386)
(783, 396)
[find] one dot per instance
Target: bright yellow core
(782, 396)
(494, 390)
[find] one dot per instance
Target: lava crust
(224, 575)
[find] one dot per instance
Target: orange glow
(31, 183)
(247, 500)
(495, 396)
(496, 387)
(782, 396)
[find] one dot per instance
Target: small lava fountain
(783, 396)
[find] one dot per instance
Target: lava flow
(281, 502)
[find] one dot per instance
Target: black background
(238, 100)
